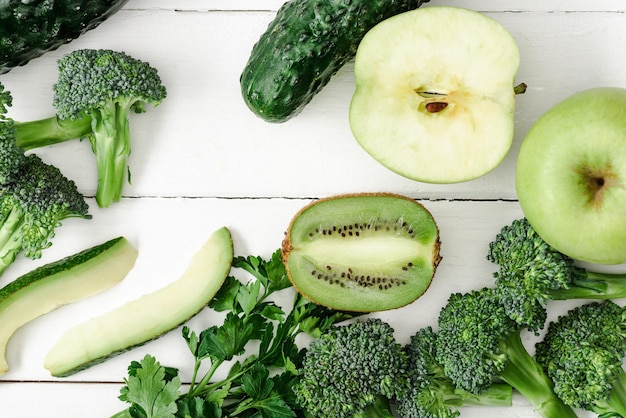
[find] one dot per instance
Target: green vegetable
(34, 197)
(11, 156)
(531, 273)
(259, 382)
(583, 352)
(61, 282)
(29, 29)
(431, 393)
(147, 317)
(303, 47)
(94, 94)
(477, 343)
(353, 371)
(152, 388)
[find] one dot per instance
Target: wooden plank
(75, 400)
(168, 231)
(203, 141)
(202, 160)
(482, 5)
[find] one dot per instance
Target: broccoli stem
(110, 143)
(380, 408)
(49, 131)
(10, 242)
(593, 285)
(526, 376)
(498, 394)
(616, 404)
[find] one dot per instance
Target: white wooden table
(202, 160)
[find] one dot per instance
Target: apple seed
(435, 107)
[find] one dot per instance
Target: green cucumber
(303, 47)
(28, 29)
(61, 282)
(148, 317)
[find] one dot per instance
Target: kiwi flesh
(362, 252)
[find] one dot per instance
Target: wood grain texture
(202, 160)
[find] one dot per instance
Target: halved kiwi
(362, 252)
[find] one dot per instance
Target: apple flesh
(571, 176)
(434, 98)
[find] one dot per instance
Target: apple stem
(520, 88)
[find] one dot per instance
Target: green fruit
(303, 47)
(571, 176)
(362, 252)
(29, 29)
(148, 317)
(435, 96)
(61, 282)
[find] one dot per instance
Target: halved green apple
(435, 95)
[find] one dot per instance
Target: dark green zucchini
(304, 46)
(28, 29)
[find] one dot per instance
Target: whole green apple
(571, 176)
(434, 98)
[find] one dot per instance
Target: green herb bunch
(259, 382)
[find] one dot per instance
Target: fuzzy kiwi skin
(288, 247)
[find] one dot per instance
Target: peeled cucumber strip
(61, 282)
(148, 317)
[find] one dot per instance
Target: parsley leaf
(229, 340)
(198, 408)
(226, 297)
(262, 395)
(257, 385)
(150, 392)
(248, 296)
(271, 273)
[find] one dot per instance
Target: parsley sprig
(260, 376)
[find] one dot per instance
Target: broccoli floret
(34, 197)
(11, 156)
(6, 101)
(531, 273)
(94, 94)
(352, 371)
(32, 207)
(583, 352)
(431, 393)
(477, 343)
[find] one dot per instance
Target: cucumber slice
(148, 317)
(61, 282)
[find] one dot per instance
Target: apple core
(436, 109)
